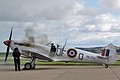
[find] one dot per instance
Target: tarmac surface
(61, 73)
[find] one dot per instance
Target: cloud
(111, 4)
(36, 10)
(59, 19)
(95, 38)
(101, 23)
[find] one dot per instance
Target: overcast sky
(82, 22)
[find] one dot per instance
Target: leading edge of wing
(36, 54)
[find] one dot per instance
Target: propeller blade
(11, 34)
(8, 48)
(7, 52)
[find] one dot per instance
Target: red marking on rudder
(103, 52)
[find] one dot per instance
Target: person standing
(53, 50)
(16, 54)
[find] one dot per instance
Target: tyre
(28, 66)
(106, 66)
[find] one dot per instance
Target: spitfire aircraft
(51, 52)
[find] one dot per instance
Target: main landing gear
(30, 65)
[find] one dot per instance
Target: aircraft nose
(7, 42)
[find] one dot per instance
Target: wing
(28, 53)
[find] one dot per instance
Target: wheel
(28, 66)
(106, 66)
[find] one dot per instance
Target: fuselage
(68, 54)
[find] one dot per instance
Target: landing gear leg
(105, 65)
(30, 65)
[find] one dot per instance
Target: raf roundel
(71, 53)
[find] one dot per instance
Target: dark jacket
(16, 54)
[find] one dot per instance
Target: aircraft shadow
(65, 68)
(45, 68)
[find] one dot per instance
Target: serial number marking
(90, 57)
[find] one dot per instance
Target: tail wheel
(106, 65)
(28, 66)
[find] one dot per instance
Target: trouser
(17, 64)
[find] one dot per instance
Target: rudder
(110, 53)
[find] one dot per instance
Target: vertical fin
(111, 54)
